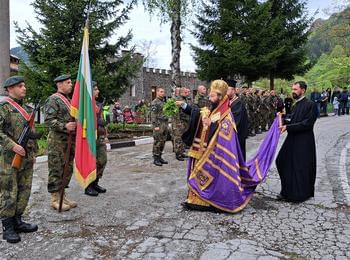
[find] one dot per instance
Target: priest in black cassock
(296, 161)
(239, 114)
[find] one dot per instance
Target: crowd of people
(338, 99)
(215, 127)
(261, 107)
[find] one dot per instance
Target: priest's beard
(214, 105)
(296, 96)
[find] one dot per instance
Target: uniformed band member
(15, 185)
(160, 127)
(59, 121)
(101, 150)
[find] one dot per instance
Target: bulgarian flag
(83, 110)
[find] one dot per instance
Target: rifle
(24, 137)
(65, 180)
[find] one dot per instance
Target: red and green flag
(83, 110)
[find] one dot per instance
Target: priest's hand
(206, 122)
(283, 129)
(179, 103)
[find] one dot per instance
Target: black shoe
(91, 191)
(21, 226)
(258, 132)
(162, 161)
(157, 162)
(190, 206)
(280, 197)
(184, 156)
(179, 157)
(252, 134)
(98, 188)
(8, 232)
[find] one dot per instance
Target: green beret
(62, 78)
(93, 83)
(14, 80)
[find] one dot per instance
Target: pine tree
(55, 48)
(288, 36)
(251, 38)
(227, 31)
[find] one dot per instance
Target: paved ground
(140, 216)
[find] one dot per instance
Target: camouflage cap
(62, 78)
(14, 80)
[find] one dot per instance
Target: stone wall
(149, 78)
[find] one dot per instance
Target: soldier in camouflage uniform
(187, 95)
(179, 126)
(160, 127)
(251, 103)
(15, 185)
(201, 99)
(101, 150)
(264, 109)
(58, 119)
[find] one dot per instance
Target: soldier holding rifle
(17, 140)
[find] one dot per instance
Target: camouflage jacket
(251, 103)
(12, 124)
(181, 117)
(157, 115)
(201, 101)
(56, 114)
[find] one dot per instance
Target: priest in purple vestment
(218, 177)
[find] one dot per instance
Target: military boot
(8, 232)
(157, 161)
(97, 187)
(55, 202)
(70, 203)
(21, 226)
(179, 157)
(162, 161)
(91, 191)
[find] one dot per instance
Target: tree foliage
(326, 34)
(251, 38)
(332, 70)
(55, 48)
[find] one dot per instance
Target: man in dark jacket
(240, 115)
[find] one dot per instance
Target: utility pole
(4, 42)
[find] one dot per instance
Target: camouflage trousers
(177, 130)
(15, 186)
(101, 156)
(254, 122)
(264, 119)
(271, 118)
(57, 146)
(160, 137)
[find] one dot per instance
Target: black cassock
(241, 119)
(296, 161)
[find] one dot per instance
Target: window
(133, 91)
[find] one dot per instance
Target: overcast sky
(144, 30)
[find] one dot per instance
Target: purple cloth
(222, 177)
